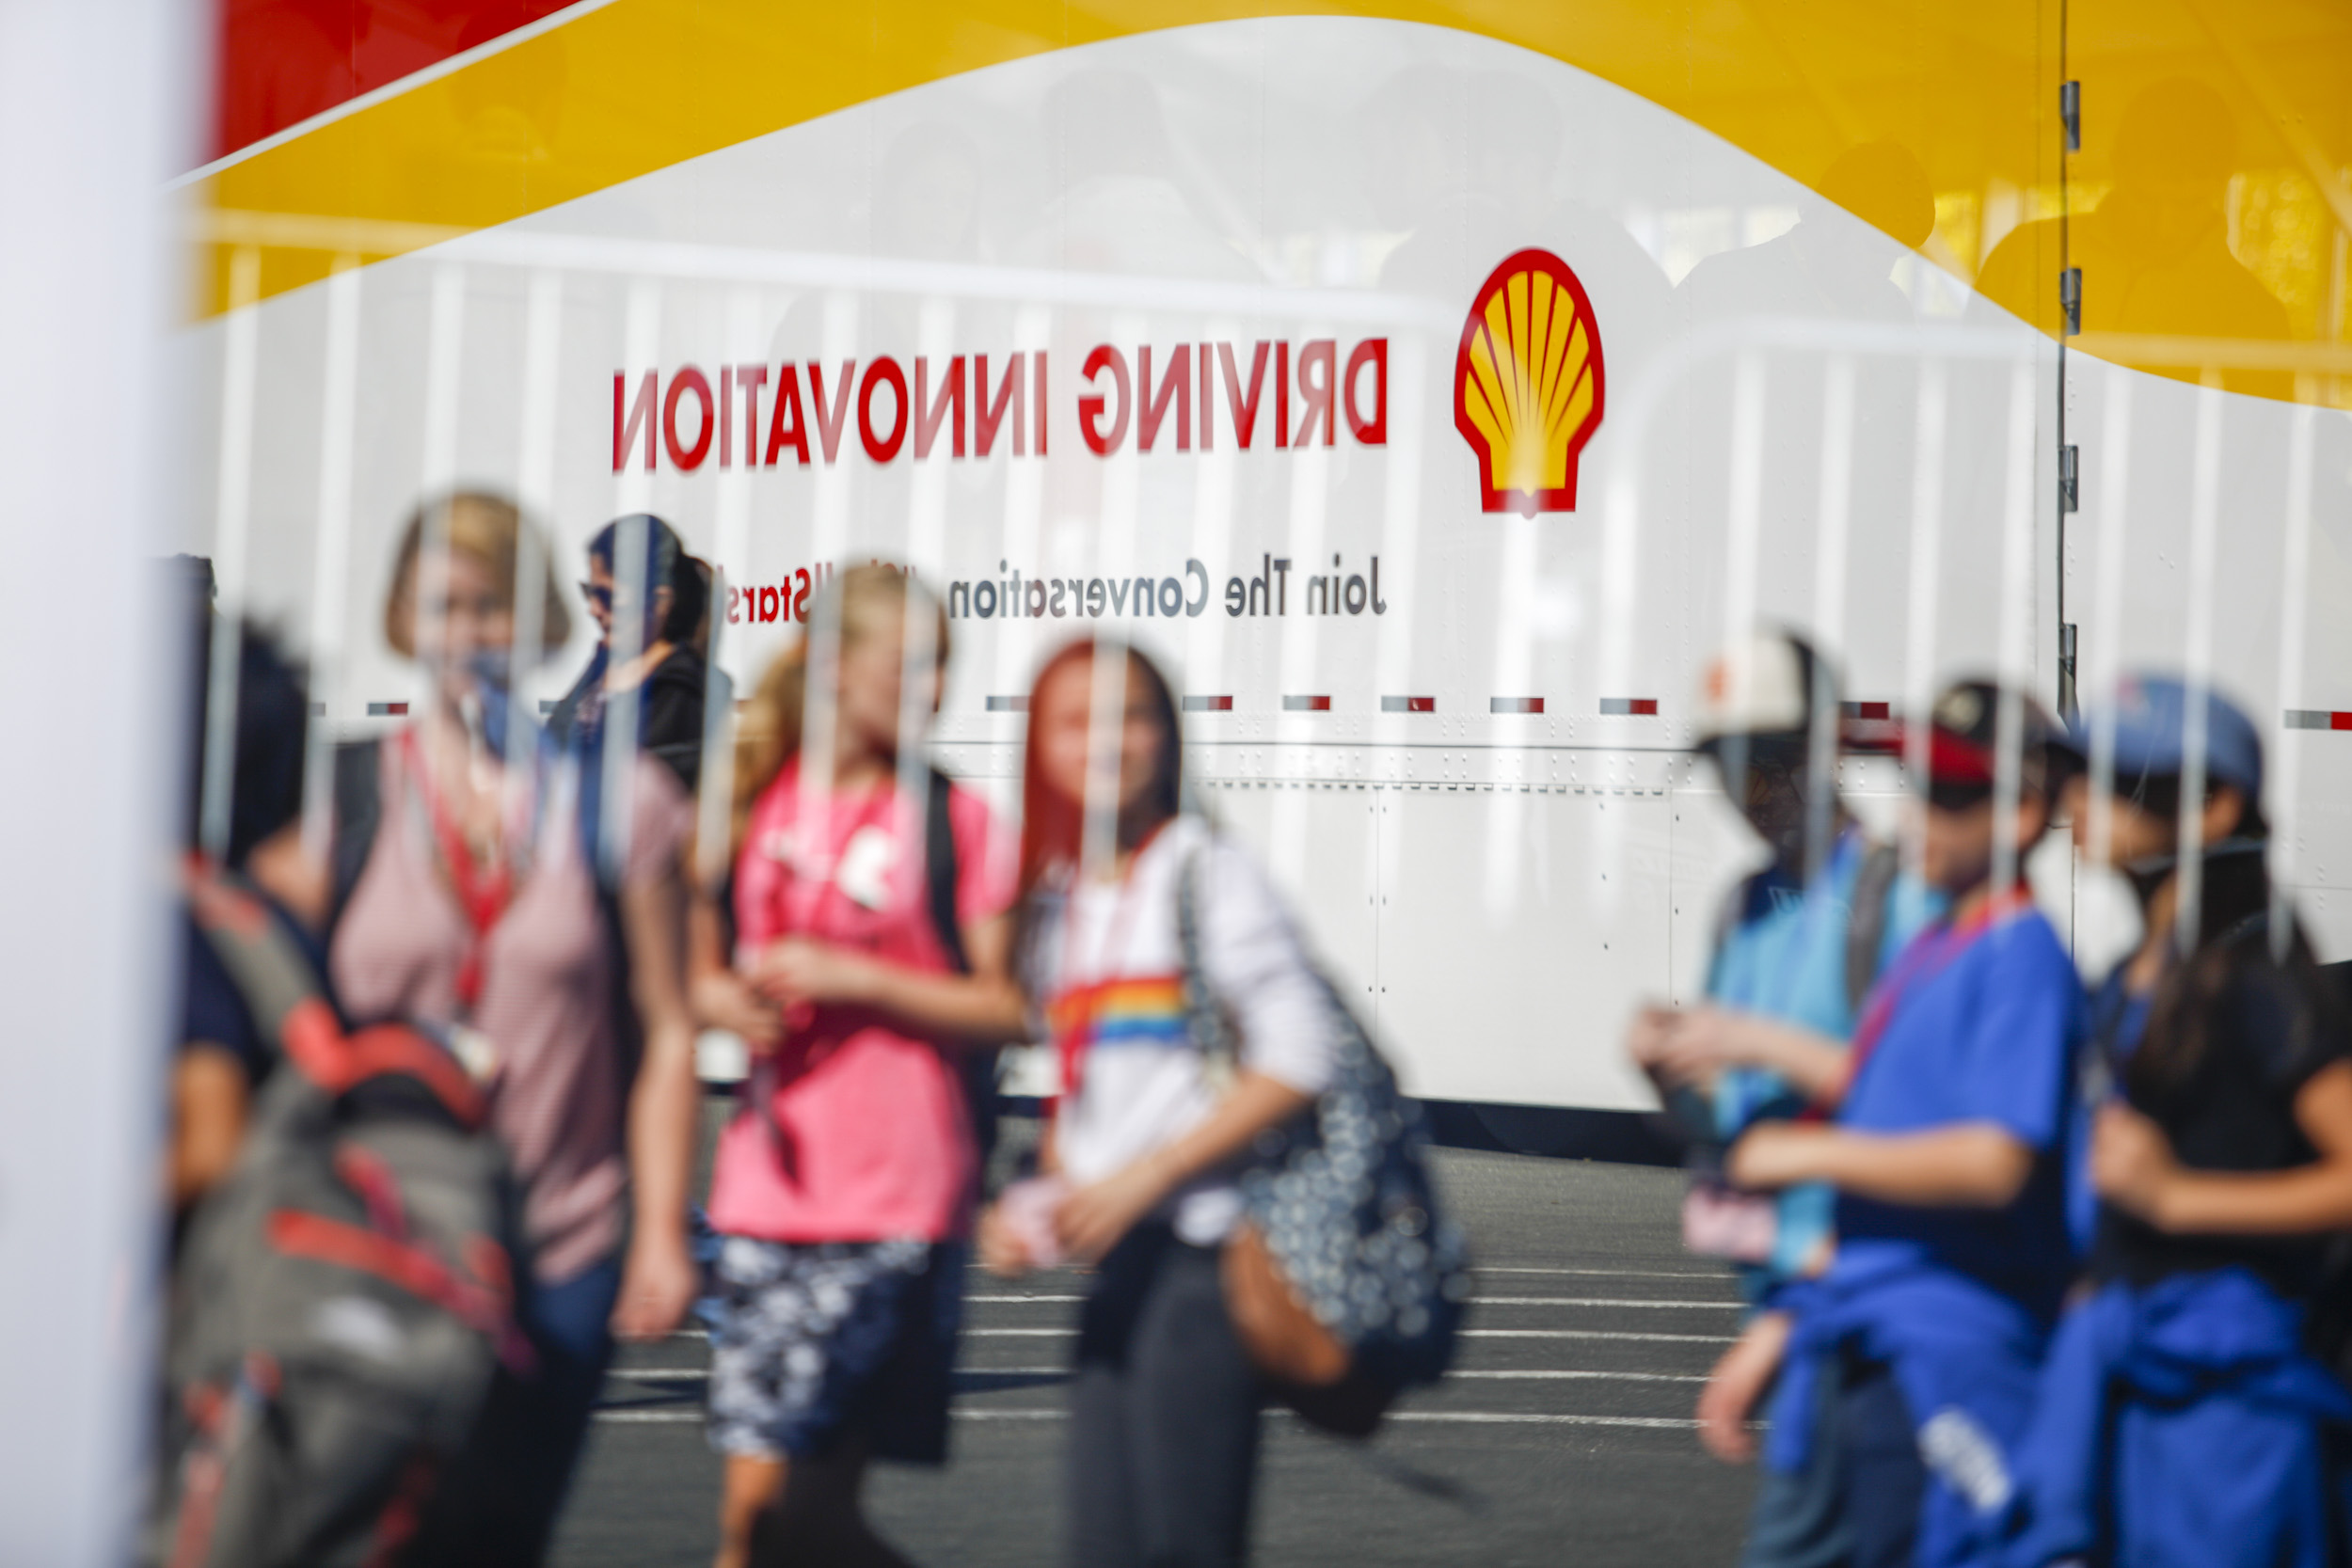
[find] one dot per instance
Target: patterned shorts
(824, 1342)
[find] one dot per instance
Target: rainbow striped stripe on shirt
(1129, 1010)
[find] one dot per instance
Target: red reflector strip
(1515, 704)
(388, 710)
(1306, 704)
(1008, 705)
(1409, 705)
(1208, 704)
(299, 1234)
(2318, 718)
(1636, 708)
(1867, 710)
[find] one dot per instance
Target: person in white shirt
(1149, 1131)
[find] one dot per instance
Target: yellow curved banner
(2208, 206)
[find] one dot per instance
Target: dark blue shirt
(214, 1010)
(1984, 1029)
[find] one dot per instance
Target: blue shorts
(827, 1342)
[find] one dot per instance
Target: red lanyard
(1928, 955)
(483, 890)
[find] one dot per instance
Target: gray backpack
(342, 1298)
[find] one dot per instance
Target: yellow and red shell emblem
(1529, 385)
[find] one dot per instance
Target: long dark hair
(2238, 975)
(1052, 827)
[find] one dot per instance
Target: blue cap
(2150, 717)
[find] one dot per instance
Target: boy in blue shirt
(1802, 942)
(1948, 1154)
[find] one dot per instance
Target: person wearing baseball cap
(2220, 1165)
(1796, 950)
(1948, 1154)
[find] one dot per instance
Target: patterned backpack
(1347, 1282)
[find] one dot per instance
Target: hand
(1001, 1252)
(1092, 1219)
(2132, 1166)
(1736, 1386)
(1704, 1040)
(657, 1284)
(796, 969)
(1776, 1154)
(726, 1001)
(1646, 1038)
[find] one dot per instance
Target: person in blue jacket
(2181, 1418)
(1948, 1154)
(1800, 944)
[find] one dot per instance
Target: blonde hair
(768, 731)
(491, 530)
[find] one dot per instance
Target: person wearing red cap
(1948, 1152)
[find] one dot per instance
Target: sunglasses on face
(597, 593)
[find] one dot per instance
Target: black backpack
(344, 1295)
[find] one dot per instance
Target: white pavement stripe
(1608, 1377)
(688, 1374)
(1468, 1334)
(1482, 1418)
(1601, 1301)
(1716, 1274)
(1733, 1306)
(1575, 1334)
(1452, 1417)
(1606, 1273)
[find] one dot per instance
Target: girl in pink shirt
(844, 1184)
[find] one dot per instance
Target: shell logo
(1529, 386)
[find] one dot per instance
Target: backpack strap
(358, 814)
(290, 1009)
(1865, 920)
(939, 871)
(1205, 1018)
(940, 874)
(270, 972)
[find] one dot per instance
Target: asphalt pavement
(1564, 1434)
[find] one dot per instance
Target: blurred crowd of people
(530, 899)
(2037, 1276)
(2024, 1263)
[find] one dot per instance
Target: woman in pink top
(844, 1186)
(476, 908)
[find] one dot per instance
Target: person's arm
(720, 998)
(1092, 1219)
(658, 1278)
(208, 1113)
(1738, 1384)
(1692, 1045)
(2134, 1167)
(1252, 960)
(1960, 1165)
(983, 1007)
